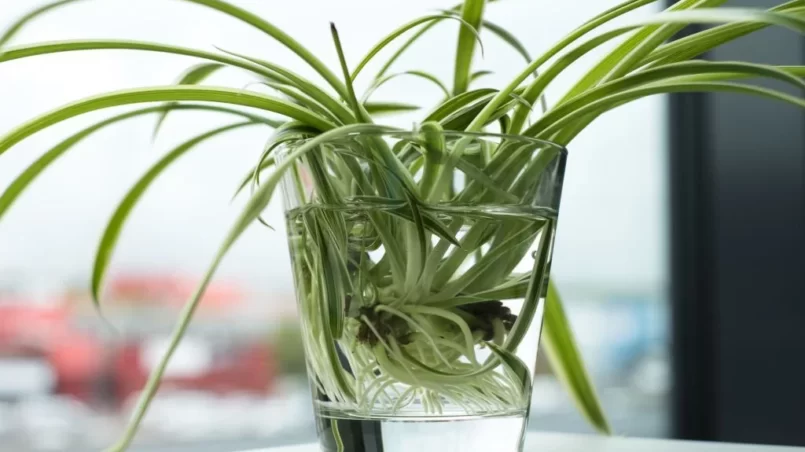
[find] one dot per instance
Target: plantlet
(405, 243)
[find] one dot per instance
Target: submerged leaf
(514, 365)
(252, 210)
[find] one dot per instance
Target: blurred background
(624, 262)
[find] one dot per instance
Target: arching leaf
(192, 76)
(114, 227)
(162, 94)
(20, 23)
(421, 74)
(401, 30)
(24, 180)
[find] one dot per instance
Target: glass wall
(69, 378)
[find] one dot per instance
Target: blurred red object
(240, 368)
(44, 333)
(20, 322)
(147, 289)
(55, 334)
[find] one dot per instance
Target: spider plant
(328, 128)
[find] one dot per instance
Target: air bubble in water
(369, 293)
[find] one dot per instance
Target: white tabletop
(556, 442)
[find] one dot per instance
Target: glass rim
(413, 134)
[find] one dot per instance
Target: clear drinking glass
(421, 263)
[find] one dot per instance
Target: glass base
(424, 434)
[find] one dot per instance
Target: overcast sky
(612, 222)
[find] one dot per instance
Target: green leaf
(515, 366)
(455, 286)
(479, 74)
(386, 108)
(416, 245)
(24, 180)
(455, 103)
(406, 45)
(518, 46)
(111, 233)
(410, 41)
(502, 33)
(695, 69)
(267, 70)
(265, 163)
(797, 71)
(536, 289)
(352, 99)
(429, 221)
(288, 132)
(198, 73)
(522, 101)
(577, 34)
(402, 210)
(531, 93)
(509, 290)
(252, 210)
(704, 16)
(401, 30)
(280, 36)
(472, 13)
(411, 263)
(629, 53)
(32, 50)
(619, 99)
(421, 74)
(474, 173)
(335, 107)
(698, 43)
(296, 95)
(232, 11)
(433, 142)
(320, 225)
(463, 118)
(163, 94)
(192, 76)
(24, 20)
(726, 15)
(567, 363)
(508, 38)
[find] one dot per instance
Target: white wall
(611, 224)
